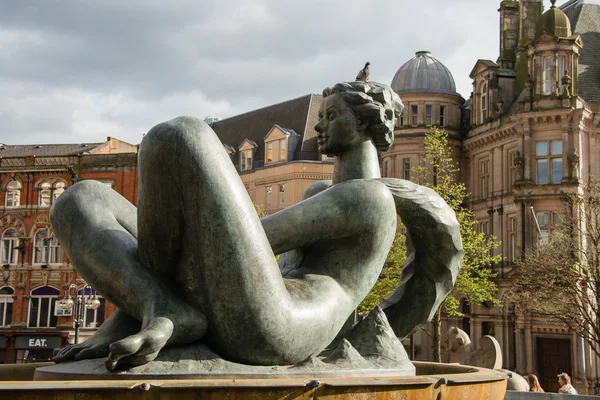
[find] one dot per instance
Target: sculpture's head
(353, 112)
(456, 339)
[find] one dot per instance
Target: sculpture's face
(337, 127)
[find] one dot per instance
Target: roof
(585, 21)
(554, 22)
(424, 74)
(47, 150)
(297, 115)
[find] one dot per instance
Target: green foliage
(389, 277)
(439, 172)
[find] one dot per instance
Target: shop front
(36, 348)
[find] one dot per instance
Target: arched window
(91, 318)
(13, 194)
(44, 246)
(57, 190)
(41, 307)
(45, 194)
(9, 247)
(484, 103)
(6, 306)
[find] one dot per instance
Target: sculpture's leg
(97, 227)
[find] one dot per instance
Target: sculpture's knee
(173, 135)
(68, 207)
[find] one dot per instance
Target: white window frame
(6, 299)
(283, 149)
(44, 192)
(9, 245)
(484, 178)
(269, 153)
(55, 257)
(13, 194)
(51, 301)
(246, 158)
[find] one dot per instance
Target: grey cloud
(229, 56)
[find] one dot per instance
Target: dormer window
(283, 149)
(246, 159)
(269, 152)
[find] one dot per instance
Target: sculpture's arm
(328, 215)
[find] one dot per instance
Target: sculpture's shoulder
(316, 188)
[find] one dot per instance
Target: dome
(424, 74)
(554, 22)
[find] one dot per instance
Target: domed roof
(554, 22)
(423, 74)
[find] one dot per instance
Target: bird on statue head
(363, 74)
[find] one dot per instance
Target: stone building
(528, 136)
(34, 272)
(275, 151)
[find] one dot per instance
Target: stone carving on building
(206, 281)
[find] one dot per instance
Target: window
(442, 116)
(91, 318)
(57, 190)
(561, 72)
(281, 197)
(484, 100)
(512, 239)
(512, 169)
(428, 117)
(484, 227)
(406, 168)
(6, 306)
(270, 152)
(549, 161)
(246, 160)
(484, 177)
(414, 115)
(548, 222)
(488, 328)
(282, 150)
(13, 194)
(41, 307)
(48, 193)
(547, 75)
(44, 246)
(401, 120)
(9, 247)
(45, 194)
(268, 190)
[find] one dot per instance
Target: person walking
(534, 383)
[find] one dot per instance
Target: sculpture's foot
(142, 347)
(118, 326)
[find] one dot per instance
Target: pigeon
(363, 74)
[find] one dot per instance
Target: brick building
(34, 272)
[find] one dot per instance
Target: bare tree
(561, 278)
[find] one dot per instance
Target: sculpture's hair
(374, 102)
(565, 377)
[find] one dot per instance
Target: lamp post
(90, 301)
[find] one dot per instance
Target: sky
(74, 71)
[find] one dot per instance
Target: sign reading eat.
(37, 342)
